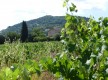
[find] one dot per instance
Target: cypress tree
(24, 32)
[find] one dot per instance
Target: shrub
(57, 37)
(2, 39)
(12, 36)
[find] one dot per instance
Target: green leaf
(66, 0)
(68, 17)
(16, 74)
(64, 4)
(71, 47)
(25, 74)
(105, 53)
(8, 72)
(91, 63)
(72, 9)
(57, 74)
(105, 22)
(67, 24)
(81, 76)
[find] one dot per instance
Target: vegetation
(45, 22)
(37, 34)
(24, 32)
(84, 55)
(12, 36)
(57, 37)
(17, 56)
(13, 52)
(2, 39)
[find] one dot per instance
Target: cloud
(87, 8)
(14, 11)
(89, 4)
(83, 5)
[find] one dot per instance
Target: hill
(45, 22)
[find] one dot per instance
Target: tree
(38, 35)
(12, 36)
(57, 37)
(2, 39)
(24, 32)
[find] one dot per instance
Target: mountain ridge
(45, 22)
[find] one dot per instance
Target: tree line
(36, 35)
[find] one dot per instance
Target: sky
(15, 11)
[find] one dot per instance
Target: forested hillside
(45, 22)
(56, 48)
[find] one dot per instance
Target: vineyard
(82, 53)
(17, 56)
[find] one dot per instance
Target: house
(54, 31)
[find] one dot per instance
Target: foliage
(57, 37)
(2, 39)
(24, 32)
(45, 22)
(21, 60)
(20, 72)
(86, 54)
(12, 36)
(37, 34)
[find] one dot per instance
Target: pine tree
(24, 32)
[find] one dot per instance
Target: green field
(20, 53)
(84, 55)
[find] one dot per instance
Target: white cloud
(83, 5)
(14, 11)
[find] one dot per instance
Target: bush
(2, 39)
(39, 39)
(57, 37)
(50, 39)
(12, 36)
